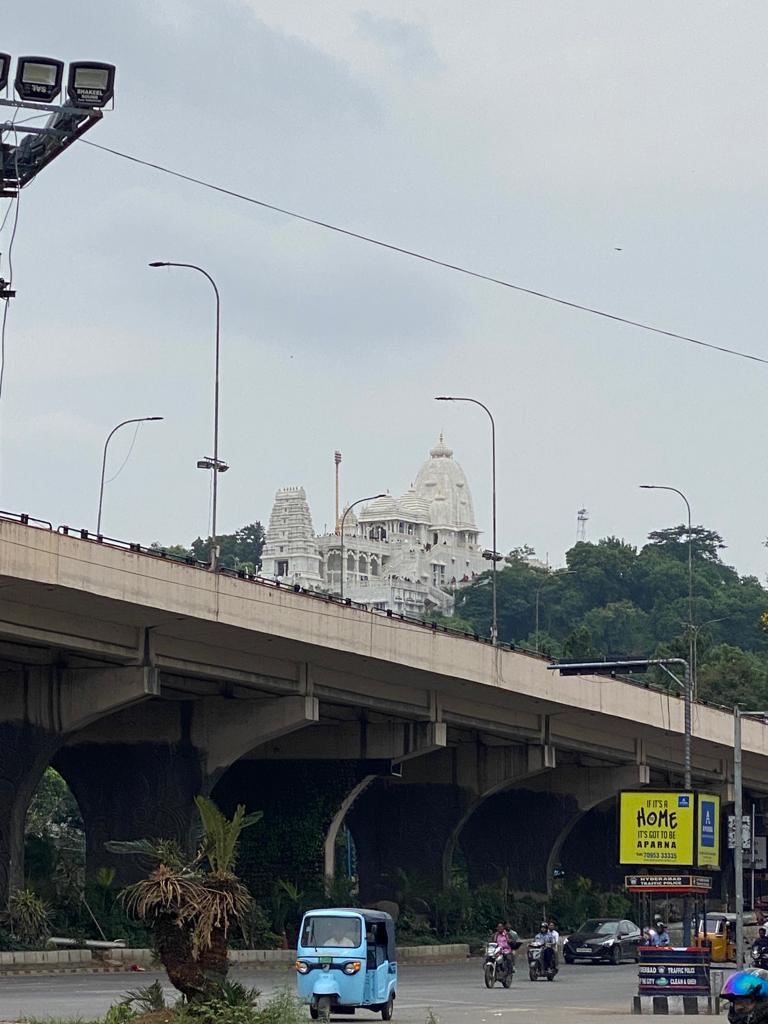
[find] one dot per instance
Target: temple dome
(380, 509)
(414, 507)
(442, 483)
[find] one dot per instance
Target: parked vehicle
(345, 960)
(758, 955)
(718, 932)
(497, 966)
(542, 960)
(600, 939)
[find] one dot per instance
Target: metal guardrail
(23, 519)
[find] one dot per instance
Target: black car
(610, 939)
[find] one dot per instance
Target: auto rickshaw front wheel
(388, 1008)
(313, 1012)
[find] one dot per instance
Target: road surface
(454, 992)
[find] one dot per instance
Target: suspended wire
(457, 268)
(125, 460)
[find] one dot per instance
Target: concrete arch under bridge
(508, 800)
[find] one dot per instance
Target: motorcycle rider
(502, 941)
(512, 936)
(662, 935)
(760, 945)
(747, 992)
(549, 949)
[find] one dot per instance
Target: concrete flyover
(146, 681)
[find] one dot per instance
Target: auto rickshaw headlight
(351, 967)
(302, 966)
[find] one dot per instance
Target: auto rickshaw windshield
(332, 932)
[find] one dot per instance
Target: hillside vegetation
(613, 600)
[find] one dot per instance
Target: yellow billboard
(708, 830)
(656, 828)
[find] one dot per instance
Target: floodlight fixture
(208, 463)
(5, 68)
(38, 78)
(90, 83)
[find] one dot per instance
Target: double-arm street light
(214, 464)
(347, 510)
(495, 557)
(738, 810)
(139, 419)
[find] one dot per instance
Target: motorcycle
(497, 966)
(759, 956)
(539, 965)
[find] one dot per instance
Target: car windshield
(331, 932)
(597, 927)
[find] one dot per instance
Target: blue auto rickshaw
(345, 959)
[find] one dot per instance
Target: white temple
(403, 554)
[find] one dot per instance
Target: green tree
(190, 909)
(731, 676)
(239, 550)
(704, 543)
(578, 646)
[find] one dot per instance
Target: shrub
(30, 916)
(120, 1014)
(146, 999)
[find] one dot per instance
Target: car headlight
(302, 966)
(351, 967)
(608, 942)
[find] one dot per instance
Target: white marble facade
(403, 554)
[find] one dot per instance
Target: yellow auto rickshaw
(719, 932)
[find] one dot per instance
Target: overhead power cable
(445, 264)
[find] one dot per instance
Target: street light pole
(738, 812)
(691, 636)
(139, 419)
(346, 510)
(738, 852)
(494, 553)
(217, 466)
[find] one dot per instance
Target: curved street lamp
(140, 419)
(691, 636)
(214, 464)
(347, 510)
(494, 554)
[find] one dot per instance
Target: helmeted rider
(547, 938)
(747, 993)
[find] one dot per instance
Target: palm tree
(190, 909)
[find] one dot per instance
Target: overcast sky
(607, 151)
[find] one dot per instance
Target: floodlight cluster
(39, 80)
(38, 83)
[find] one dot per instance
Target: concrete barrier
(47, 957)
(74, 958)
